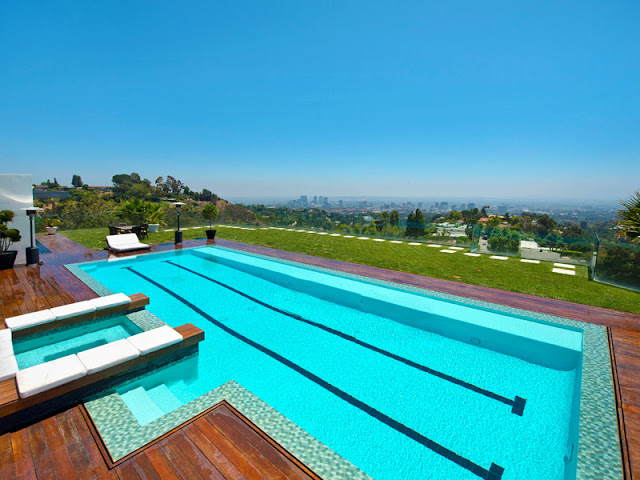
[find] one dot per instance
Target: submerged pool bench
(67, 380)
(44, 320)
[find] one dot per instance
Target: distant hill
(232, 213)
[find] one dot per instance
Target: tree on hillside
(416, 224)
(76, 181)
(394, 218)
(382, 220)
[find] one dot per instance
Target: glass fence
(446, 234)
(552, 247)
(614, 263)
(618, 264)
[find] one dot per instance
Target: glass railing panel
(618, 264)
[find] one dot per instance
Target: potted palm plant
(210, 212)
(51, 224)
(155, 216)
(8, 236)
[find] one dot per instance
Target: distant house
(99, 188)
(41, 191)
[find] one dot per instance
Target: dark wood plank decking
(218, 445)
(26, 289)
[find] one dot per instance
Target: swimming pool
(403, 385)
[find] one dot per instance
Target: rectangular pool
(401, 384)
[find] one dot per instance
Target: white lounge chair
(125, 243)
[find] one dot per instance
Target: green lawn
(509, 275)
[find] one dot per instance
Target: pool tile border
(122, 434)
(599, 455)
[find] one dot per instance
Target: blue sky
(343, 98)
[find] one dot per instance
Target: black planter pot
(7, 259)
(211, 234)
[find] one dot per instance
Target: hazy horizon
(255, 99)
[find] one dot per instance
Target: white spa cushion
(29, 319)
(5, 335)
(73, 309)
(105, 356)
(45, 376)
(6, 348)
(110, 301)
(155, 339)
(120, 240)
(8, 368)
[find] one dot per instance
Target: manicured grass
(94, 238)
(509, 275)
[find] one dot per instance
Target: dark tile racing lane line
(517, 404)
(493, 473)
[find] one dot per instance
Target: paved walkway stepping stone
(414, 243)
(469, 254)
(563, 265)
(348, 236)
(498, 257)
(395, 241)
(448, 251)
(526, 260)
(323, 233)
(378, 240)
(456, 248)
(434, 245)
(363, 238)
(564, 271)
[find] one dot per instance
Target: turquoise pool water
(404, 386)
(48, 346)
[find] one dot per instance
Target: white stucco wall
(16, 192)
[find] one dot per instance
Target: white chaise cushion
(105, 356)
(6, 348)
(155, 339)
(110, 301)
(8, 368)
(5, 335)
(124, 243)
(29, 319)
(73, 309)
(119, 240)
(45, 376)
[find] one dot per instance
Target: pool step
(181, 390)
(141, 405)
(164, 398)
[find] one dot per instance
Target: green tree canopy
(629, 217)
(76, 181)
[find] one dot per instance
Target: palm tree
(629, 218)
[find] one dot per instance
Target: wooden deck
(218, 445)
(26, 289)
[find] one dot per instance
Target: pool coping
(599, 454)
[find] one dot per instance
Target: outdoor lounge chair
(125, 243)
